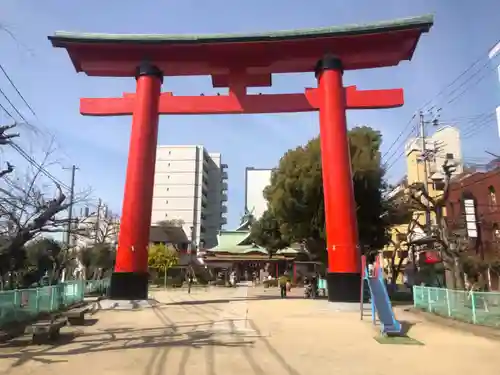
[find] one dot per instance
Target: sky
(463, 33)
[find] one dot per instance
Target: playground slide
(380, 298)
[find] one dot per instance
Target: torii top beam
(257, 56)
(242, 61)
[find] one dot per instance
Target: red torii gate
(239, 62)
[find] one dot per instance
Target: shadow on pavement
(161, 339)
(406, 326)
(194, 336)
(228, 300)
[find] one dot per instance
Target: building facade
(256, 180)
(191, 187)
(444, 144)
(482, 188)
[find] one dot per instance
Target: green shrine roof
(235, 242)
(421, 22)
(238, 242)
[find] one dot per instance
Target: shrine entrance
(239, 62)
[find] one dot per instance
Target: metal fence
(472, 307)
(25, 304)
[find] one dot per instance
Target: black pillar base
(343, 287)
(129, 286)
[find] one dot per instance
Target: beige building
(443, 145)
(190, 186)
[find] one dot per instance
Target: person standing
(283, 280)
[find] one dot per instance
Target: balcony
(223, 175)
(223, 186)
(223, 209)
(223, 221)
(223, 197)
(224, 166)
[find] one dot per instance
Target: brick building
(484, 189)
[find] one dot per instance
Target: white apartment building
(190, 185)
(256, 180)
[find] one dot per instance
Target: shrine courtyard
(247, 330)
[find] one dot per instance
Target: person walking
(283, 280)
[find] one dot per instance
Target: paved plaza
(245, 330)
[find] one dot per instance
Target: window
(492, 198)
(170, 152)
(496, 232)
(168, 189)
(439, 185)
(166, 201)
(168, 164)
(449, 156)
(168, 177)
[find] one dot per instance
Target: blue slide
(381, 303)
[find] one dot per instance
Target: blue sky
(463, 31)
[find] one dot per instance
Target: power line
(467, 70)
(7, 112)
(12, 105)
(473, 84)
(38, 166)
(17, 90)
(440, 93)
(400, 135)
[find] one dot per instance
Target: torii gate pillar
(344, 270)
(130, 279)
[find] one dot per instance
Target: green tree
(161, 257)
(266, 232)
(43, 256)
(97, 259)
(295, 195)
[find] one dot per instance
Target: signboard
(470, 218)
(432, 257)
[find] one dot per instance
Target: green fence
(26, 304)
(472, 307)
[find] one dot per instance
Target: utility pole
(426, 155)
(74, 168)
(424, 158)
(97, 221)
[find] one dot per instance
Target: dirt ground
(247, 330)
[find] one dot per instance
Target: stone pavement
(243, 331)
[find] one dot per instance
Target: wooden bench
(46, 331)
(76, 316)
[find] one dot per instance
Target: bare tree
(95, 239)
(451, 246)
(26, 212)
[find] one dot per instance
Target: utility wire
(7, 112)
(44, 171)
(17, 90)
(440, 93)
(12, 105)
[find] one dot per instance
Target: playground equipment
(381, 307)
